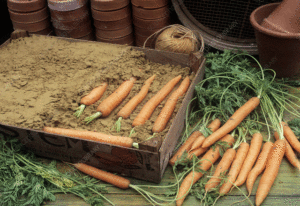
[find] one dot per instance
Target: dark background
(6, 25)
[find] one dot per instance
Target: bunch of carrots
(115, 99)
(244, 162)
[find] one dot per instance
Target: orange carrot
(252, 155)
(112, 101)
(137, 99)
(115, 180)
(291, 137)
(259, 166)
(89, 135)
(197, 152)
(184, 147)
(289, 153)
(235, 168)
(221, 168)
(210, 157)
(91, 98)
(271, 171)
(238, 116)
(150, 106)
(213, 126)
(167, 111)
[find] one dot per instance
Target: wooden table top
(285, 191)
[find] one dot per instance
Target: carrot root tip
(79, 110)
(92, 117)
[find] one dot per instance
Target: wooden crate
(146, 163)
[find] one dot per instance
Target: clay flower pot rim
(267, 31)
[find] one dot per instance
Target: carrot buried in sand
(112, 101)
(150, 106)
(167, 111)
(210, 157)
(125, 112)
(238, 116)
(94, 136)
(91, 98)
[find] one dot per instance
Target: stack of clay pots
(112, 21)
(71, 19)
(32, 16)
(149, 16)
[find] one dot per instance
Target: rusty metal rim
(212, 40)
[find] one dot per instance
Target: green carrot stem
(92, 117)
(79, 110)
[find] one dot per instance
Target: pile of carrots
(242, 163)
(109, 104)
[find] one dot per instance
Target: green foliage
(295, 126)
(25, 180)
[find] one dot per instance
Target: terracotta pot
(89, 37)
(150, 13)
(128, 40)
(25, 5)
(113, 25)
(69, 25)
(114, 33)
(69, 15)
(139, 40)
(74, 33)
(32, 27)
(151, 24)
(29, 17)
(66, 5)
(278, 51)
(144, 32)
(46, 31)
(285, 18)
(111, 15)
(109, 5)
(150, 4)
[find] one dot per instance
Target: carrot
(291, 137)
(238, 116)
(252, 155)
(235, 168)
(185, 147)
(150, 106)
(213, 126)
(91, 98)
(115, 180)
(112, 101)
(167, 111)
(210, 157)
(221, 168)
(289, 153)
(271, 171)
(137, 99)
(197, 152)
(89, 135)
(259, 166)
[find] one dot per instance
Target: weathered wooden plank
(286, 191)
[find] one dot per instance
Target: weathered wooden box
(147, 163)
